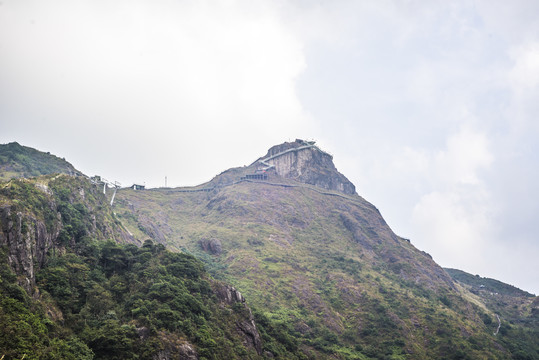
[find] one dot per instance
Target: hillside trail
(499, 325)
(304, 186)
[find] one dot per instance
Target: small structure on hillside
(138, 187)
(259, 174)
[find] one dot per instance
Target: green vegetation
(82, 207)
(515, 306)
(26, 331)
(27, 197)
(118, 302)
(123, 301)
(22, 161)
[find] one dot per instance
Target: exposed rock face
(29, 238)
(187, 352)
(153, 231)
(175, 348)
(27, 241)
(535, 308)
(229, 295)
(213, 246)
(308, 164)
(251, 336)
(246, 326)
(358, 234)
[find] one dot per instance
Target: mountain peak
(305, 162)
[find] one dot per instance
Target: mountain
(326, 274)
(281, 259)
(18, 161)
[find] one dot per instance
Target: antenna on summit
(165, 181)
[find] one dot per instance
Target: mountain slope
(18, 161)
(317, 259)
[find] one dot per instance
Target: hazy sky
(429, 107)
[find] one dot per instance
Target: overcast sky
(429, 107)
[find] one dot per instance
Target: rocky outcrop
(213, 246)
(173, 347)
(187, 352)
(245, 326)
(32, 218)
(229, 294)
(358, 234)
(153, 231)
(250, 334)
(305, 162)
(27, 241)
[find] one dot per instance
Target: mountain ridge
(18, 161)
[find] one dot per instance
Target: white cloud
(455, 219)
(523, 80)
(166, 77)
(466, 154)
(459, 231)
(525, 74)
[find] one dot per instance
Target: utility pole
(165, 181)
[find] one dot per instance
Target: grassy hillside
(18, 161)
(324, 269)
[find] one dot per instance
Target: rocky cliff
(44, 215)
(245, 325)
(306, 163)
(27, 240)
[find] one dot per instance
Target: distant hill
(486, 284)
(512, 304)
(17, 161)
